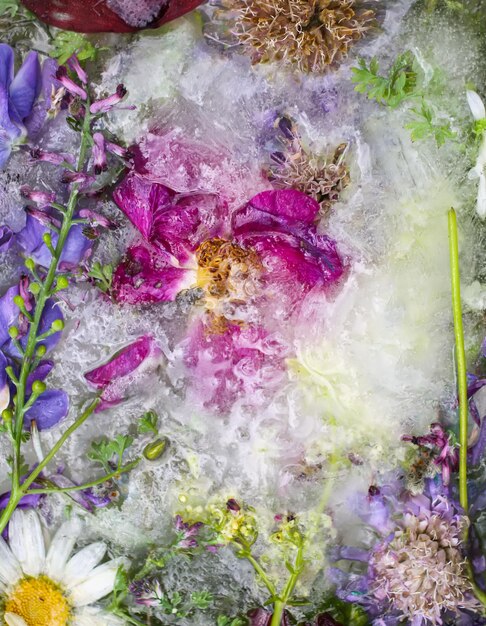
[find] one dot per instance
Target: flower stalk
(42, 288)
(461, 381)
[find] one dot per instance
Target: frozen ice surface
(368, 364)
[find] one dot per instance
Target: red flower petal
(96, 16)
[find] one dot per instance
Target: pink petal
(146, 275)
(124, 362)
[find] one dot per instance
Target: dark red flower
(114, 16)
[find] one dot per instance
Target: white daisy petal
(98, 584)
(476, 105)
(27, 541)
(10, 570)
(81, 564)
(481, 199)
(14, 620)
(61, 548)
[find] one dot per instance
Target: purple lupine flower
(52, 405)
(69, 84)
(107, 104)
(30, 239)
(17, 98)
(115, 376)
(6, 238)
(96, 219)
(99, 153)
(80, 178)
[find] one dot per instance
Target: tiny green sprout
(13, 331)
(47, 239)
(41, 350)
(19, 301)
(156, 449)
(34, 288)
(30, 264)
(38, 387)
(7, 416)
(57, 325)
(62, 282)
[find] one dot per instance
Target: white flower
(476, 105)
(45, 585)
(478, 171)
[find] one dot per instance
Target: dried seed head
(312, 35)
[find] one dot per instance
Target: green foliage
(9, 8)
(223, 620)
(423, 126)
(109, 452)
(344, 612)
(23, 468)
(65, 44)
(102, 275)
(148, 423)
(391, 90)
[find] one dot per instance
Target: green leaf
(390, 90)
(102, 275)
(201, 599)
(66, 44)
(109, 452)
(148, 423)
(423, 126)
(9, 8)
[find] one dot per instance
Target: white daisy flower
(45, 585)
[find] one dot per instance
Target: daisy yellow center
(39, 602)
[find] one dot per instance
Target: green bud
(34, 288)
(7, 415)
(62, 282)
(19, 301)
(38, 387)
(57, 325)
(156, 449)
(41, 350)
(30, 264)
(47, 239)
(13, 331)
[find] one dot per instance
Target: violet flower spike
(74, 65)
(54, 158)
(41, 198)
(99, 154)
(69, 84)
(77, 177)
(107, 104)
(119, 151)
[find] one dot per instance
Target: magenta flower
(270, 246)
(115, 376)
(107, 104)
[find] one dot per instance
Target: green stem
(461, 383)
(281, 603)
(127, 617)
(460, 357)
(261, 572)
(122, 470)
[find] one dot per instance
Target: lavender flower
(187, 533)
(446, 452)
(99, 154)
